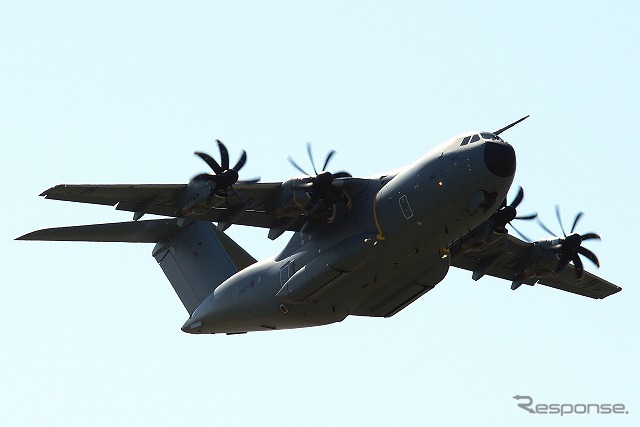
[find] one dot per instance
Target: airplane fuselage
(376, 258)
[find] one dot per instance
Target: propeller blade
(295, 165)
(528, 217)
(525, 238)
(545, 228)
(241, 162)
(577, 263)
(589, 236)
(575, 221)
(210, 161)
(498, 132)
(590, 255)
(560, 220)
(518, 198)
(326, 161)
(224, 155)
(249, 181)
(313, 164)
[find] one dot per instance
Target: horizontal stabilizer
(151, 231)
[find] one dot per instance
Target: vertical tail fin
(198, 259)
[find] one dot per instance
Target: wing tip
(49, 190)
(28, 236)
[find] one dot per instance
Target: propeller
(223, 176)
(569, 248)
(324, 166)
(321, 185)
(507, 213)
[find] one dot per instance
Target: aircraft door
(286, 272)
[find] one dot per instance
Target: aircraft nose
(500, 158)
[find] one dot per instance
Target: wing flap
(590, 286)
(154, 209)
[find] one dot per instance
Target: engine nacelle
(291, 198)
(543, 259)
(482, 236)
(199, 197)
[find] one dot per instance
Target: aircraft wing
(244, 206)
(161, 194)
(507, 257)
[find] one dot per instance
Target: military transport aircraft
(361, 246)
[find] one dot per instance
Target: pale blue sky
(124, 92)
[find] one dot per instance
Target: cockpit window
(475, 138)
(490, 136)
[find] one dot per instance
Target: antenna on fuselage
(498, 132)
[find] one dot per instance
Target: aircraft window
(405, 207)
(465, 141)
(474, 139)
(490, 136)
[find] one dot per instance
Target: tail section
(195, 263)
(196, 257)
